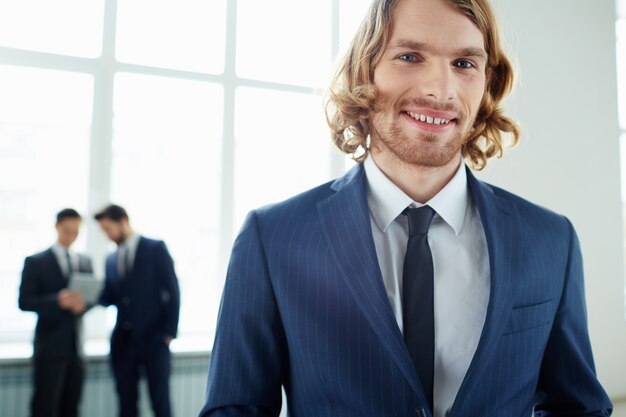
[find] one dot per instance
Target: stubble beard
(121, 238)
(422, 149)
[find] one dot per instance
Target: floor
(620, 409)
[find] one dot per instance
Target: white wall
(568, 158)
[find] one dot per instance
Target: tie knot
(419, 219)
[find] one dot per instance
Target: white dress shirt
(461, 270)
(130, 246)
(61, 254)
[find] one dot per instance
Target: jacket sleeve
(248, 360)
(107, 296)
(567, 382)
(86, 266)
(169, 289)
(31, 295)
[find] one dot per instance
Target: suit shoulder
(154, 246)
(288, 216)
(521, 202)
(40, 256)
(153, 243)
(532, 213)
(150, 241)
(300, 203)
(305, 203)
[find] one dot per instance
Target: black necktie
(124, 255)
(69, 264)
(417, 297)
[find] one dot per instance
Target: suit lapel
(132, 268)
(111, 266)
(54, 266)
(502, 231)
(139, 254)
(346, 225)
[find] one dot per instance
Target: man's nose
(437, 81)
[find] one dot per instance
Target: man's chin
(429, 153)
(431, 161)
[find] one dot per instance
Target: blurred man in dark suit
(58, 367)
(142, 284)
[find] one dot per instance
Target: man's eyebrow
(420, 46)
(405, 43)
(475, 52)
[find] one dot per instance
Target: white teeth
(428, 119)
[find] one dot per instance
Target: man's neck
(421, 183)
(127, 234)
(62, 246)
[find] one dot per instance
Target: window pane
(282, 147)
(166, 172)
(71, 27)
(621, 70)
(284, 41)
(45, 126)
(180, 34)
(350, 15)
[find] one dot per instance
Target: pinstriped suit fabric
(304, 306)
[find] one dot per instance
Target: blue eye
(407, 57)
(463, 64)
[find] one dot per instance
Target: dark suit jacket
(147, 299)
(304, 306)
(57, 329)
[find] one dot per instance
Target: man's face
(67, 231)
(114, 230)
(430, 82)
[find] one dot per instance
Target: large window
(45, 118)
(189, 113)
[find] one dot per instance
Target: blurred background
(190, 113)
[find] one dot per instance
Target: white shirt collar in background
(60, 253)
(129, 245)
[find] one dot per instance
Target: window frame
(103, 69)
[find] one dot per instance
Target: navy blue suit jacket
(57, 331)
(148, 298)
(304, 306)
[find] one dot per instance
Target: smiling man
(407, 287)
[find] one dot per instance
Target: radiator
(187, 385)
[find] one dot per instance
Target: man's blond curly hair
(352, 93)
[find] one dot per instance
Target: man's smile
(430, 120)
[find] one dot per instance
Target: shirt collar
(386, 201)
(451, 202)
(131, 242)
(60, 250)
